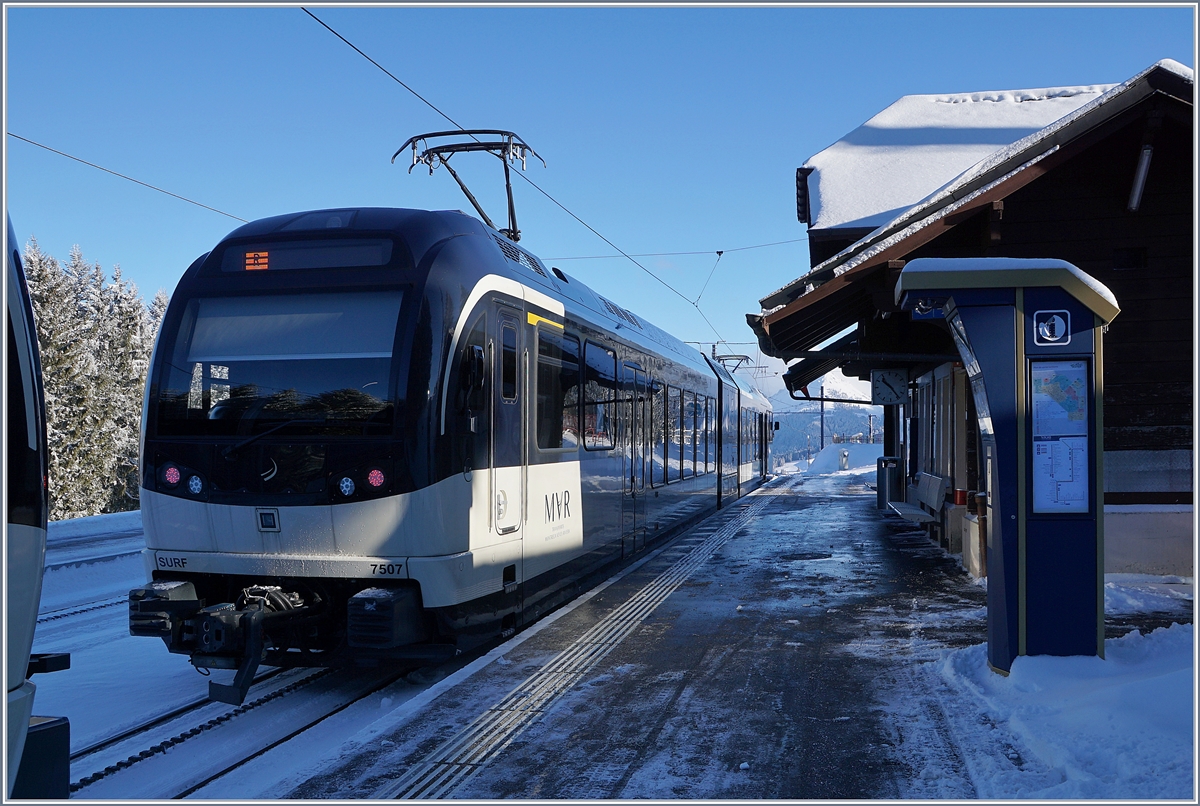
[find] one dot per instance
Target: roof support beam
(897, 357)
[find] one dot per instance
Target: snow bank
(1115, 728)
(1146, 593)
(861, 455)
(95, 526)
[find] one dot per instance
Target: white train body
(399, 457)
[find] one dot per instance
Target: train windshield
(240, 365)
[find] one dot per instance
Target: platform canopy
(931, 273)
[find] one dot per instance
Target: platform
(731, 663)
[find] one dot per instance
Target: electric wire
(673, 254)
(123, 176)
(710, 274)
(665, 284)
(533, 184)
(384, 69)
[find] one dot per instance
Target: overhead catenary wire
(674, 254)
(533, 184)
(422, 98)
(694, 304)
(711, 272)
(123, 176)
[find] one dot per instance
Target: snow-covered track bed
(170, 716)
(195, 744)
(92, 559)
(67, 612)
(87, 541)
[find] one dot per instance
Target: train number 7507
(386, 569)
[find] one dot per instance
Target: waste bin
(887, 480)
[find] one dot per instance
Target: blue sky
(666, 129)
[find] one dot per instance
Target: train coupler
(249, 628)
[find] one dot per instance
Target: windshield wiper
(232, 449)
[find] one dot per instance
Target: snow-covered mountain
(836, 385)
(800, 421)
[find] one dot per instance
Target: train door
(739, 441)
(633, 502)
(507, 431)
(764, 438)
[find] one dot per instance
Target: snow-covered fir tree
(95, 339)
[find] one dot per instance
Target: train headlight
(376, 478)
(171, 476)
(195, 485)
(346, 485)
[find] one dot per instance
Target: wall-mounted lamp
(1139, 178)
(1153, 123)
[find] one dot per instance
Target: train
(27, 511)
(382, 435)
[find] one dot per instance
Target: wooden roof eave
(852, 280)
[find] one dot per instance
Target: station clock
(889, 386)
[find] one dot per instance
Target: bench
(931, 494)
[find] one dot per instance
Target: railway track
(90, 560)
(180, 752)
(87, 607)
(169, 716)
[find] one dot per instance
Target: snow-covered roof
(918, 144)
(958, 192)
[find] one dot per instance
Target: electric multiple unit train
(394, 434)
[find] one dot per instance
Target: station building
(1100, 176)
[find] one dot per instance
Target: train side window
(508, 362)
(705, 453)
(24, 479)
(599, 397)
(713, 414)
(465, 396)
(557, 390)
(674, 434)
(688, 439)
(745, 435)
(658, 410)
(471, 399)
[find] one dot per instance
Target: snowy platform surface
(816, 651)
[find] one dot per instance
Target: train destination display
(1060, 436)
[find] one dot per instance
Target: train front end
(280, 496)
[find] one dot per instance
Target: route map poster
(1060, 436)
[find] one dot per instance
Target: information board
(1060, 436)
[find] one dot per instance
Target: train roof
(421, 229)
